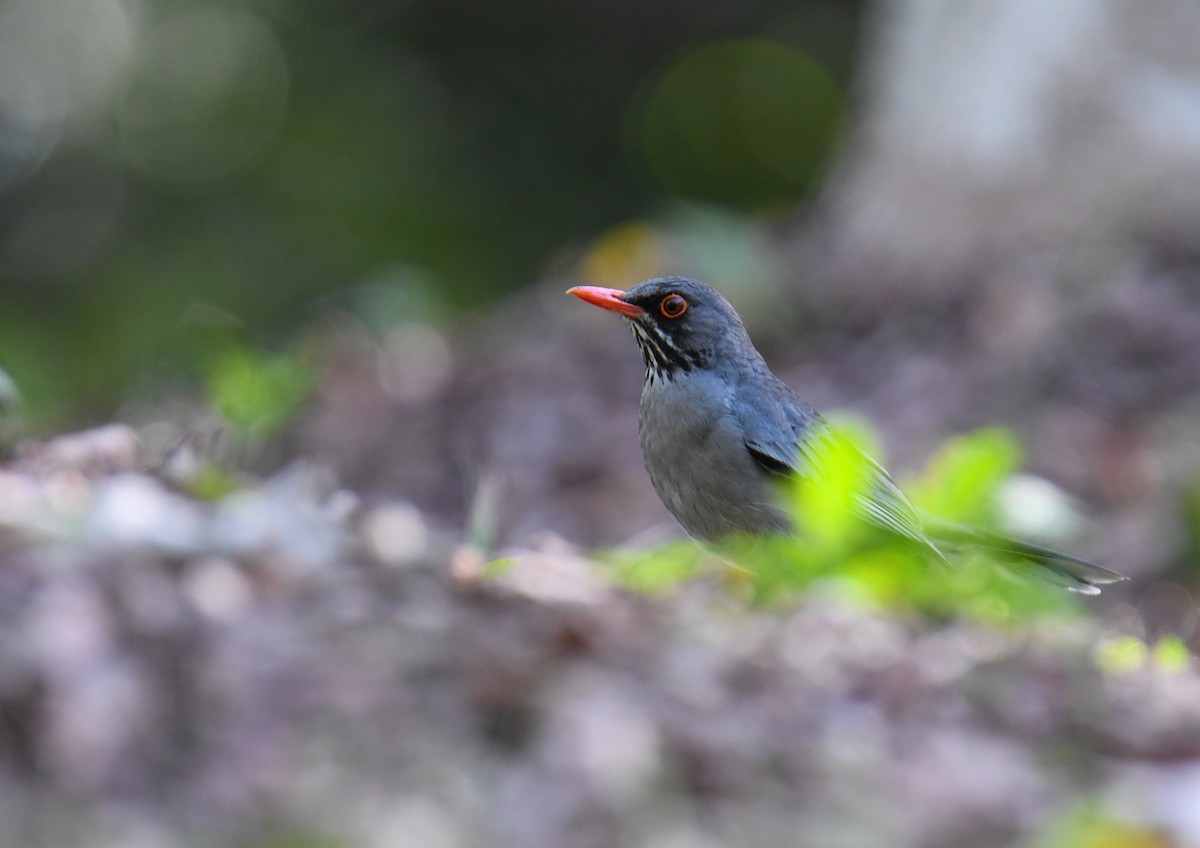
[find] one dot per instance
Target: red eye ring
(672, 306)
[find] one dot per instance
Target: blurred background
(172, 171)
(340, 231)
(343, 229)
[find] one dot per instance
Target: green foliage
(1087, 826)
(1126, 654)
(963, 478)
(212, 482)
(659, 570)
(844, 555)
(499, 567)
(1191, 526)
(1171, 655)
(823, 501)
(34, 364)
(258, 394)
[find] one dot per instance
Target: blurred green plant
(1088, 826)
(1190, 508)
(659, 570)
(842, 554)
(258, 394)
(1126, 654)
(213, 482)
(964, 478)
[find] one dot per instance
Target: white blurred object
(60, 62)
(396, 533)
(297, 519)
(1163, 796)
(135, 510)
(995, 128)
(984, 96)
(1031, 506)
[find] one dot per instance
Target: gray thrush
(719, 431)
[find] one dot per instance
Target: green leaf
(823, 500)
(963, 478)
(658, 570)
(1171, 655)
(213, 482)
(1121, 655)
(257, 394)
(499, 567)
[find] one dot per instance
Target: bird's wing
(788, 437)
(1071, 572)
(774, 423)
(883, 504)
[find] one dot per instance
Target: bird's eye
(673, 306)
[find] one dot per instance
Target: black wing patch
(769, 461)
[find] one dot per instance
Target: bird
(719, 432)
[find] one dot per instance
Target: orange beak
(609, 299)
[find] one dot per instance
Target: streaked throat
(664, 358)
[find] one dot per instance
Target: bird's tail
(1070, 572)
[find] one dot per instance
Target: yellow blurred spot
(735, 576)
(1128, 653)
(1121, 655)
(631, 251)
(1086, 826)
(1171, 655)
(1126, 836)
(1116, 835)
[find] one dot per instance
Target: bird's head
(680, 324)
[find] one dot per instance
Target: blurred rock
(137, 510)
(396, 534)
(104, 450)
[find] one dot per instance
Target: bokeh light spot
(208, 93)
(60, 61)
(747, 123)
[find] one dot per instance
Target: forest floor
(291, 665)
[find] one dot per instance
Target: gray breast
(697, 460)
